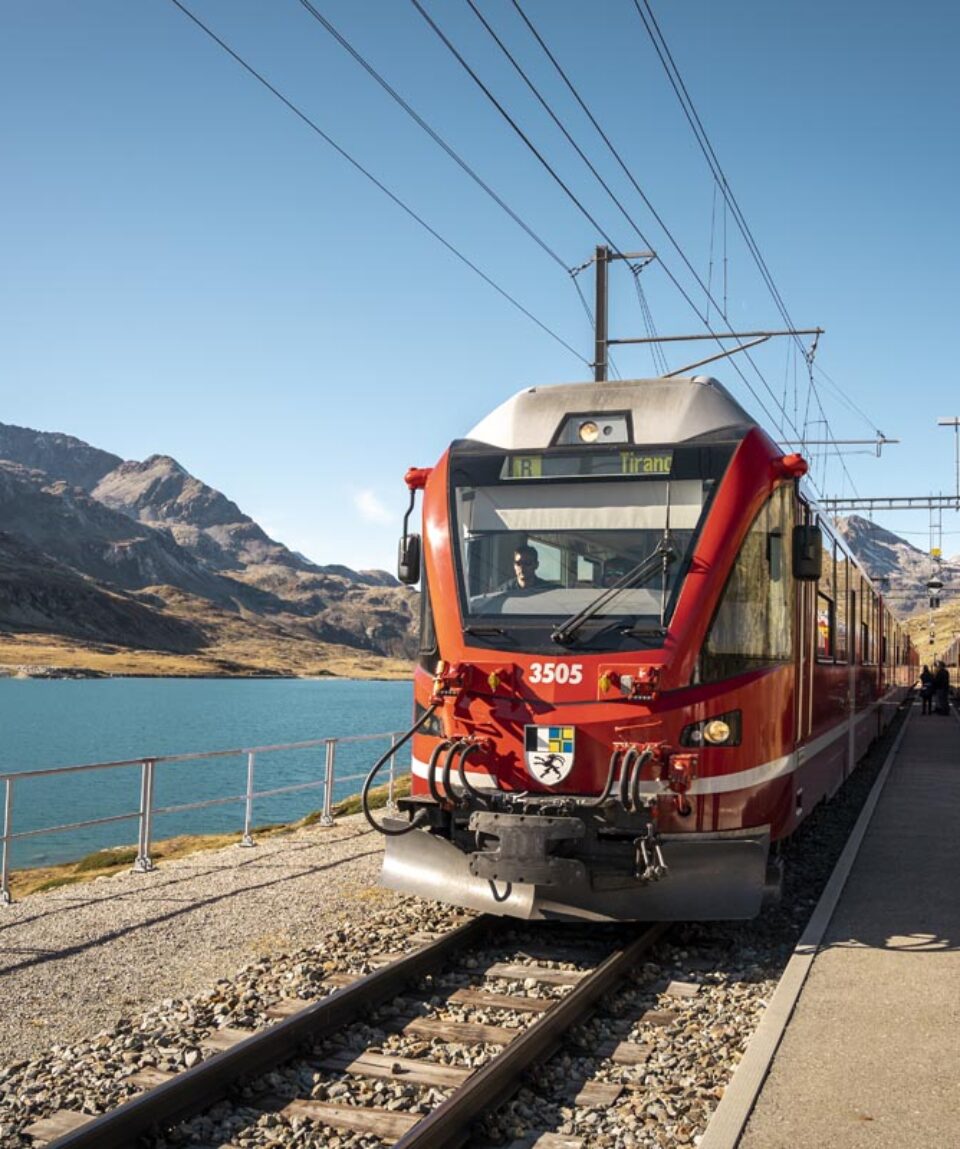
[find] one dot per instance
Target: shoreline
(26, 881)
(61, 673)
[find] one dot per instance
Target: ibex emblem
(549, 753)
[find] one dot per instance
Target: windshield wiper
(658, 560)
(483, 631)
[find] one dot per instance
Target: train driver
(525, 563)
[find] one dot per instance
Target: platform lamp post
(955, 424)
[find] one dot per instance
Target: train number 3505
(560, 672)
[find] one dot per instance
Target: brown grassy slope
(946, 624)
(237, 644)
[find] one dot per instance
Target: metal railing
(147, 810)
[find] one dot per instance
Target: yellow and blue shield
(548, 752)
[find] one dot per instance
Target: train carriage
(644, 659)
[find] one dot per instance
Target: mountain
(901, 569)
(59, 456)
(144, 555)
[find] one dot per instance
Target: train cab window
(611, 531)
(574, 533)
(429, 651)
(754, 623)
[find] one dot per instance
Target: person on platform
(525, 577)
(926, 690)
(941, 689)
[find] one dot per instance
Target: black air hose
(608, 785)
(444, 744)
(468, 787)
(460, 744)
(628, 760)
(377, 766)
(642, 759)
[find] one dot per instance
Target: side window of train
(844, 613)
(753, 625)
(428, 651)
(868, 625)
(826, 627)
(827, 605)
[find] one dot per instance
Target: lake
(60, 722)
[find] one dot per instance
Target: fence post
(326, 818)
(391, 803)
(247, 839)
(7, 830)
(143, 864)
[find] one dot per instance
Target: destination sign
(587, 464)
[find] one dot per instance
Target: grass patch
(105, 860)
(56, 883)
(378, 798)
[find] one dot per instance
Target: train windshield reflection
(538, 549)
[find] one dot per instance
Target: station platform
(871, 1054)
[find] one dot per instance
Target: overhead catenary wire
(431, 132)
(689, 109)
(511, 121)
(545, 163)
(673, 279)
(375, 181)
(690, 112)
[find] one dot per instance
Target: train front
(572, 720)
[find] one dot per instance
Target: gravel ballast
(299, 908)
(75, 959)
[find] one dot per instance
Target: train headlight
(724, 730)
(716, 732)
(589, 432)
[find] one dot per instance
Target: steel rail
(448, 1124)
(198, 1088)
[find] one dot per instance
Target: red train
(644, 659)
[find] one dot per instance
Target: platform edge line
(731, 1115)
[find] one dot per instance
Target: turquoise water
(45, 723)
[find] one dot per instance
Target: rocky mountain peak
(141, 545)
(904, 567)
(59, 456)
(160, 490)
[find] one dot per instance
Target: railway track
(693, 1003)
(453, 1068)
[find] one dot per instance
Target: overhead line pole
(955, 424)
(602, 258)
(602, 342)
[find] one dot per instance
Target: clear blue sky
(188, 269)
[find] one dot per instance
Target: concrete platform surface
(871, 1056)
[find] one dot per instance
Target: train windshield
(533, 550)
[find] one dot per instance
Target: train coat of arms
(548, 753)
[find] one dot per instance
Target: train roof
(661, 411)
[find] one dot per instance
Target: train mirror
(408, 560)
(807, 552)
